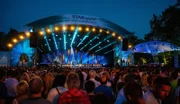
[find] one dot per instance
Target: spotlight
(100, 30)
(113, 34)
(87, 29)
(107, 32)
(9, 45)
(27, 34)
(56, 28)
(48, 30)
(15, 40)
(93, 29)
(130, 46)
(41, 33)
(72, 28)
(64, 28)
(21, 37)
(79, 28)
(119, 38)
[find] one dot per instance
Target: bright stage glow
(41, 33)
(48, 30)
(64, 28)
(107, 32)
(113, 34)
(93, 29)
(87, 28)
(9, 45)
(56, 28)
(27, 34)
(119, 37)
(15, 40)
(80, 28)
(100, 30)
(72, 28)
(21, 37)
(130, 46)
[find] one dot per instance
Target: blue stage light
(86, 36)
(105, 46)
(53, 35)
(74, 36)
(64, 35)
(89, 42)
(45, 37)
(108, 51)
(100, 42)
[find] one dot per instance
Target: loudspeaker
(33, 39)
(125, 44)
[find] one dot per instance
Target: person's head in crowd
(106, 74)
(22, 88)
(48, 82)
(161, 87)
(174, 75)
(59, 81)
(103, 80)
(178, 84)
(119, 86)
(92, 74)
(133, 92)
(128, 78)
(144, 79)
(36, 86)
(72, 80)
(89, 86)
(100, 98)
(81, 78)
(25, 77)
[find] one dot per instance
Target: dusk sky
(133, 15)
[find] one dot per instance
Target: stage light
(56, 35)
(93, 29)
(64, 40)
(79, 28)
(14, 40)
(130, 46)
(21, 37)
(119, 37)
(72, 28)
(86, 36)
(27, 34)
(54, 38)
(59, 38)
(87, 29)
(105, 46)
(41, 33)
(9, 45)
(45, 37)
(107, 32)
(74, 36)
(64, 28)
(56, 28)
(48, 30)
(100, 30)
(113, 34)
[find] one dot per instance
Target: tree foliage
(166, 27)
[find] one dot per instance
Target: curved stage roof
(96, 35)
(76, 19)
(154, 47)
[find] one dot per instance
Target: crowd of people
(55, 85)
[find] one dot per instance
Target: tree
(166, 27)
(134, 40)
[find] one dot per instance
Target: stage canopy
(155, 47)
(81, 32)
